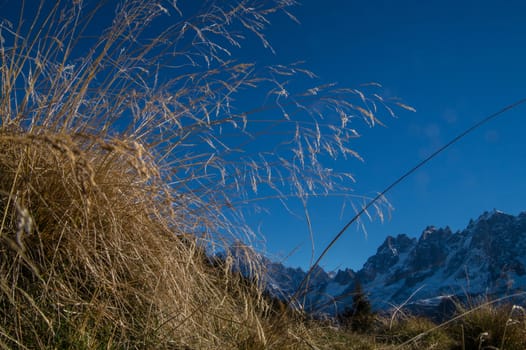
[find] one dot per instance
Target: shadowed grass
(124, 163)
(90, 256)
(486, 325)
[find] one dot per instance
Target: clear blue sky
(455, 62)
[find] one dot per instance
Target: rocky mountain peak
(486, 258)
(387, 255)
(344, 276)
(431, 233)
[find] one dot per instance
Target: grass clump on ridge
(479, 324)
(484, 324)
(89, 257)
(123, 162)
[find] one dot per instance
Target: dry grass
(482, 324)
(413, 332)
(486, 325)
(123, 163)
(90, 257)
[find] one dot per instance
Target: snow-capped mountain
(488, 258)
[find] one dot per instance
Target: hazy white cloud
(492, 136)
(431, 135)
(432, 132)
(422, 181)
(450, 116)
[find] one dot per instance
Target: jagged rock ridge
(488, 258)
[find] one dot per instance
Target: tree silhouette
(359, 317)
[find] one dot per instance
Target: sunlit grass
(125, 162)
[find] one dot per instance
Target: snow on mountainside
(486, 258)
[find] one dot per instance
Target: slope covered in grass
(91, 256)
(123, 161)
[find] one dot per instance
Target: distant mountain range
(487, 258)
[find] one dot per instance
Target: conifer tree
(360, 316)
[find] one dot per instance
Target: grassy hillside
(105, 210)
(117, 176)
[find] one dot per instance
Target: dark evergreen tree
(359, 317)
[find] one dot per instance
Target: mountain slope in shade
(487, 258)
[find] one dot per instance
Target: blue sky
(455, 62)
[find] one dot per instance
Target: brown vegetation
(117, 178)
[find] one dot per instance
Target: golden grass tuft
(415, 332)
(123, 163)
(90, 258)
(484, 324)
